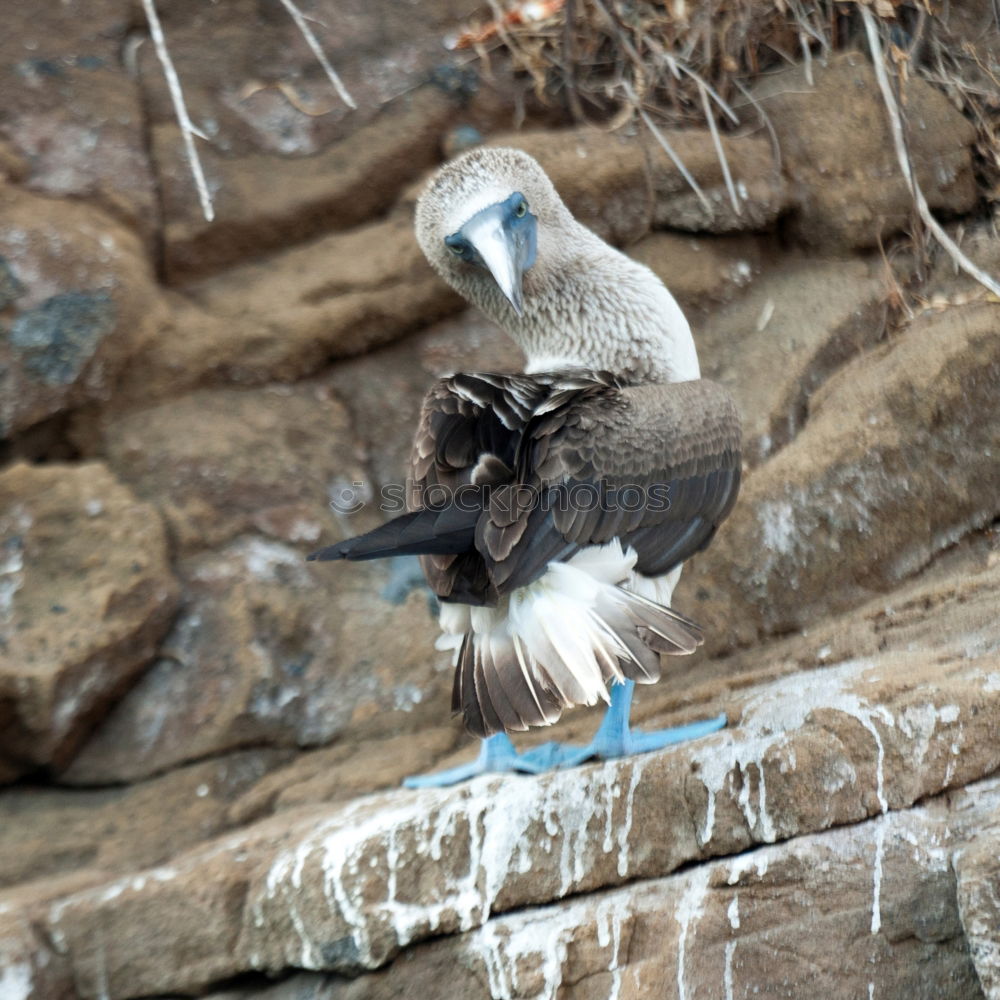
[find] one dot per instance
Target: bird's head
(493, 226)
(478, 222)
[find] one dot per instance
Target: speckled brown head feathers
(478, 178)
(586, 305)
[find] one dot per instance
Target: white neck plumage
(598, 309)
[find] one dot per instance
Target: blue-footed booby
(552, 510)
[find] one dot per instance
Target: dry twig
(721, 154)
(669, 150)
(307, 33)
(188, 131)
(899, 141)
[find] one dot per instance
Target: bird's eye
(456, 249)
(522, 209)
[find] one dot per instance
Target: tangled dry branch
(679, 61)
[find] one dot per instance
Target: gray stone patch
(342, 953)
(406, 576)
(10, 287)
(57, 338)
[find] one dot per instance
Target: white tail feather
(561, 641)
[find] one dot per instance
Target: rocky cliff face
(202, 738)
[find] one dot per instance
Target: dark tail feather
(663, 629)
(419, 533)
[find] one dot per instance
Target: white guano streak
(768, 718)
(502, 821)
(689, 911)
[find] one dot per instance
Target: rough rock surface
(702, 273)
(346, 888)
(622, 185)
(221, 462)
(810, 914)
(72, 114)
(268, 650)
(837, 151)
(287, 159)
(775, 345)
(86, 592)
(77, 300)
(948, 608)
(977, 868)
(850, 508)
(50, 834)
(285, 316)
(330, 190)
(27, 966)
(760, 189)
(946, 284)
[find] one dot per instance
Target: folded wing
(553, 463)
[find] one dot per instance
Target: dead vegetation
(686, 63)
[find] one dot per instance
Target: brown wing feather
(657, 466)
(588, 460)
(470, 429)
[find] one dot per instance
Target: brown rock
(796, 919)
(29, 970)
(796, 324)
(887, 471)
(13, 165)
(78, 300)
(760, 189)
(72, 114)
(978, 870)
(344, 889)
(49, 833)
(838, 153)
(220, 462)
(272, 651)
(620, 186)
(947, 284)
(190, 912)
(250, 76)
(286, 316)
(949, 608)
(701, 272)
(264, 202)
(268, 650)
(288, 160)
(312, 986)
(348, 769)
(86, 594)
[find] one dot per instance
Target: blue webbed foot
(496, 755)
(615, 738)
(632, 741)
